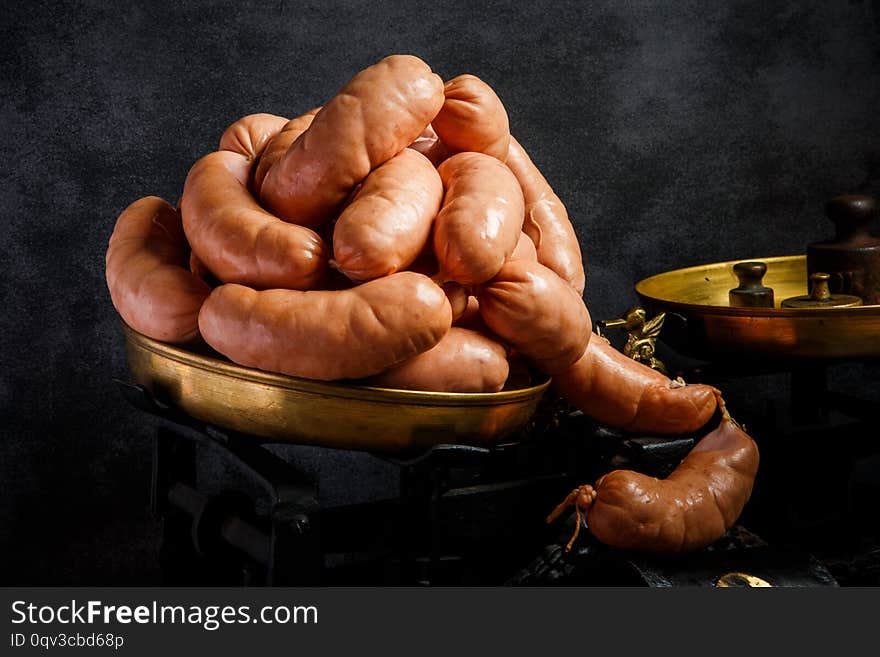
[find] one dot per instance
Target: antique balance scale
(476, 454)
(796, 318)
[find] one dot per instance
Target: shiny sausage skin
(389, 221)
(458, 299)
(429, 145)
(471, 317)
(375, 115)
(472, 118)
(481, 219)
(538, 313)
(525, 249)
(463, 361)
(198, 268)
(279, 144)
(689, 510)
(249, 135)
(546, 220)
(327, 335)
(620, 392)
(146, 268)
(237, 239)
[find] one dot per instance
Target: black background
(676, 133)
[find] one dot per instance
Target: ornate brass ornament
(641, 336)
(730, 580)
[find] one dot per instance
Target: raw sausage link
(237, 239)
(481, 219)
(473, 118)
(376, 115)
(525, 249)
(463, 361)
(458, 299)
(147, 273)
(249, 135)
(327, 335)
(279, 144)
(389, 221)
(689, 510)
(537, 312)
(429, 145)
(620, 392)
(546, 220)
(471, 317)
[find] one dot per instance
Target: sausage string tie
(582, 498)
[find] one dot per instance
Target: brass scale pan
(282, 408)
(700, 322)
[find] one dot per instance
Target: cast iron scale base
(464, 516)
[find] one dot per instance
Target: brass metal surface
(820, 296)
(641, 336)
(701, 323)
(729, 580)
(287, 409)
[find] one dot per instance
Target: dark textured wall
(676, 133)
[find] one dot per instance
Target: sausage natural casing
(620, 392)
(237, 239)
(147, 272)
(472, 118)
(689, 510)
(547, 221)
(481, 219)
(327, 335)
(388, 223)
(279, 144)
(531, 308)
(463, 361)
(429, 145)
(249, 135)
(525, 249)
(379, 112)
(470, 317)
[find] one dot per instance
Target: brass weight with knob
(852, 257)
(751, 293)
(820, 296)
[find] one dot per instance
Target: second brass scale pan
(701, 323)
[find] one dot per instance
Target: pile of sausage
(400, 236)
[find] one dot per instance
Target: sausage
(546, 220)
(463, 361)
(279, 144)
(429, 145)
(458, 299)
(470, 317)
(379, 112)
(249, 135)
(388, 223)
(472, 118)
(689, 510)
(531, 308)
(237, 239)
(147, 273)
(198, 268)
(525, 249)
(481, 218)
(327, 335)
(620, 392)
